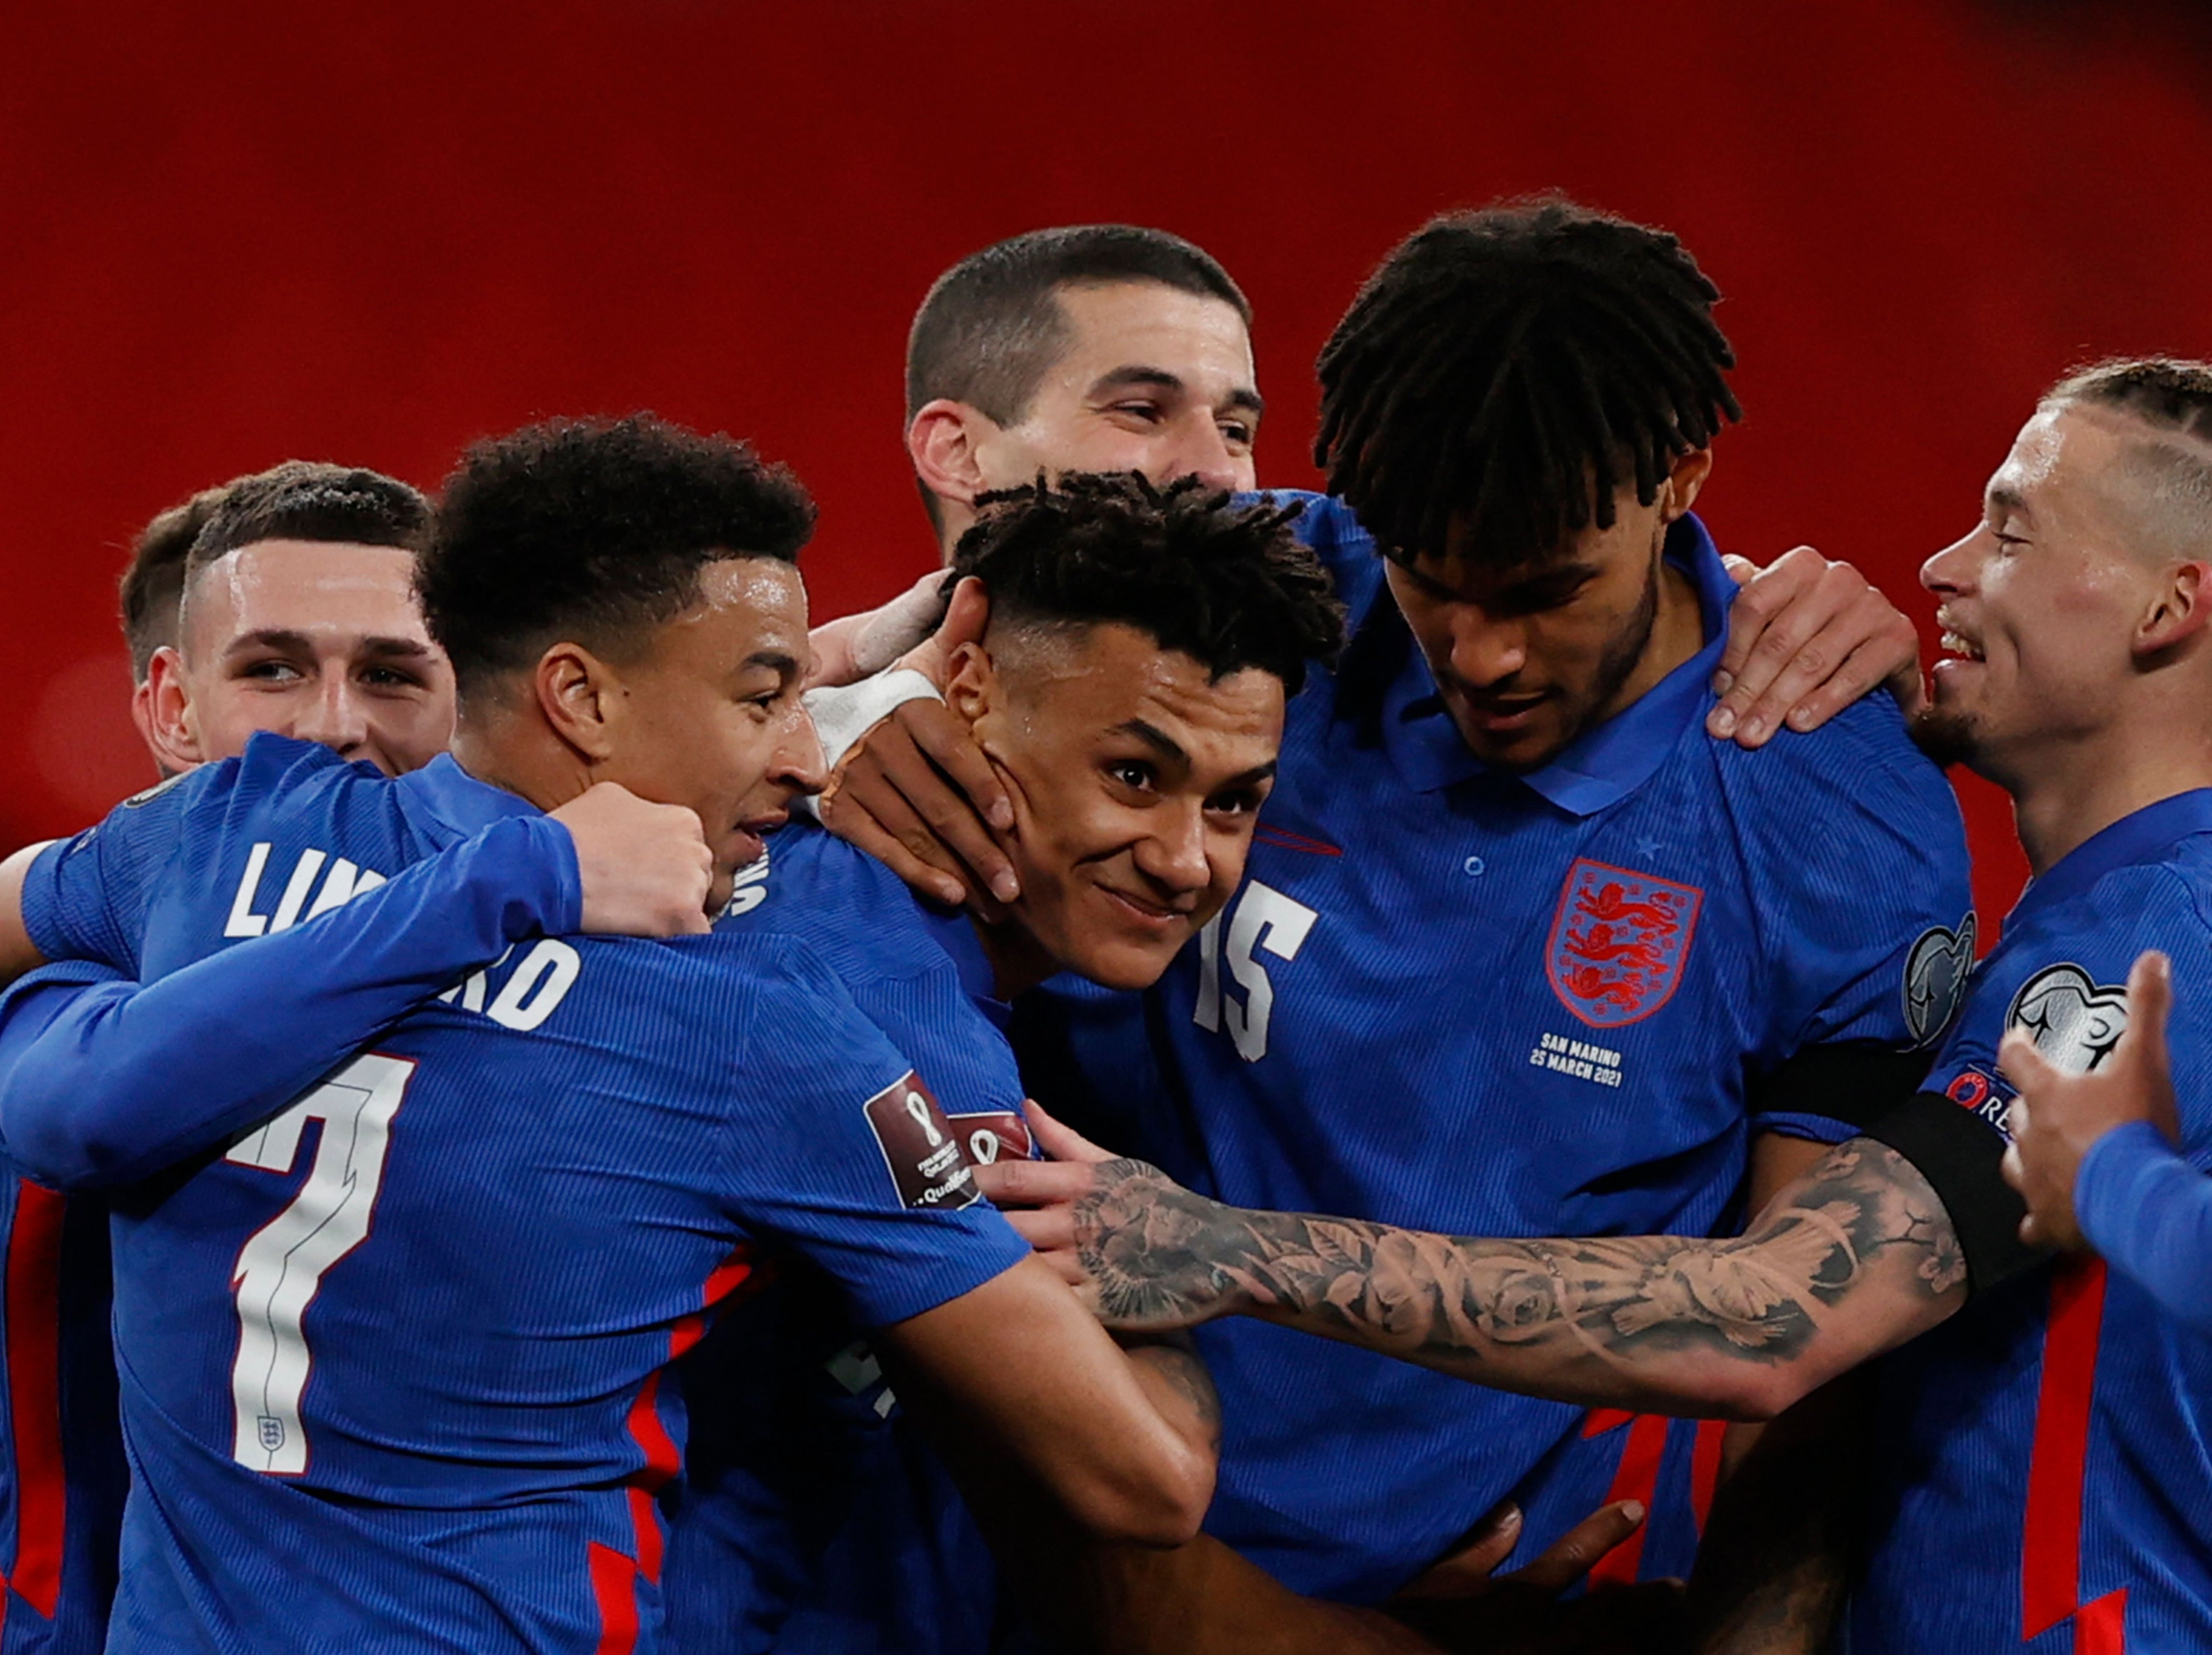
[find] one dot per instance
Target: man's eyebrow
(2004, 498)
(396, 648)
(1153, 737)
(291, 640)
(777, 661)
(1513, 580)
(1252, 777)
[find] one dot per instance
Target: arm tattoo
(1159, 1256)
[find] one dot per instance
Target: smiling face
(709, 712)
(1526, 659)
(1154, 380)
(2040, 602)
(1136, 783)
(316, 640)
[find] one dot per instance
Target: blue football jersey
(391, 1366)
(815, 1520)
(2048, 1481)
(62, 1474)
(1513, 1004)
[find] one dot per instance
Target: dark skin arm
(1855, 1257)
(1117, 1445)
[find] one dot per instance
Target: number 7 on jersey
(281, 1264)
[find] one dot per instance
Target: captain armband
(1960, 1153)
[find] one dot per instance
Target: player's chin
(1119, 960)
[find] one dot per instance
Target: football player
(1585, 962)
(685, 680)
(2043, 1479)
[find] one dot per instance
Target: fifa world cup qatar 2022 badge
(1619, 942)
(928, 1162)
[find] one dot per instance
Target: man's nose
(797, 762)
(1203, 453)
(1173, 855)
(334, 714)
(1485, 650)
(1954, 568)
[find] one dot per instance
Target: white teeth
(1959, 645)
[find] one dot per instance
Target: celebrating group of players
(486, 1178)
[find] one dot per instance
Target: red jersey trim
(34, 1393)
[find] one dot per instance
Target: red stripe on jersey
(645, 1525)
(34, 1393)
(1602, 1419)
(736, 1272)
(1706, 1468)
(2100, 1628)
(2051, 1553)
(613, 1589)
(1637, 1478)
(661, 1459)
(1290, 840)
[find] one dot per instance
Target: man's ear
(973, 690)
(2180, 608)
(162, 707)
(583, 699)
(1684, 481)
(942, 439)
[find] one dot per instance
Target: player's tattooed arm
(1853, 1257)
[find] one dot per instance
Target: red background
(232, 234)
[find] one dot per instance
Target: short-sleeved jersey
(815, 1521)
(1532, 1005)
(391, 1368)
(2046, 1454)
(62, 1475)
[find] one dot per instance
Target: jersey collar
(1604, 765)
(2144, 836)
(447, 805)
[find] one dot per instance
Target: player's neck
(1018, 960)
(502, 754)
(2076, 791)
(1678, 632)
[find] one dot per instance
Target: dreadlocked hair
(1228, 584)
(1515, 367)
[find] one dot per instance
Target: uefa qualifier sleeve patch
(929, 1165)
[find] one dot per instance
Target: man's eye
(1131, 774)
(271, 672)
(1237, 434)
(1147, 411)
(387, 677)
(1235, 804)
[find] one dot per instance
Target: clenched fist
(644, 867)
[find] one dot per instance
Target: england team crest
(1619, 942)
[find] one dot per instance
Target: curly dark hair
(592, 530)
(311, 500)
(1513, 368)
(1228, 584)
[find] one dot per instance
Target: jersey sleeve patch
(2075, 1020)
(1935, 972)
(927, 1160)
